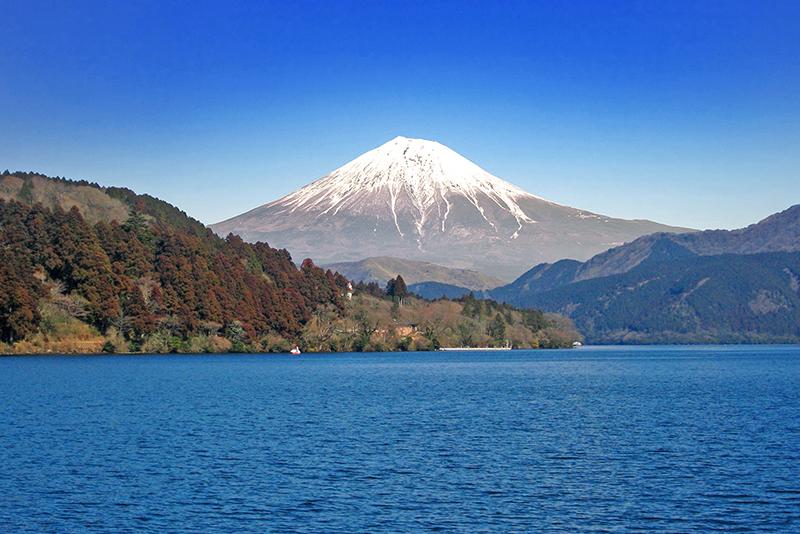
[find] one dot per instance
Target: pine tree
(396, 288)
(497, 328)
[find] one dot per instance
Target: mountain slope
(716, 286)
(420, 200)
(90, 199)
(730, 298)
(152, 279)
(777, 233)
(381, 269)
(438, 290)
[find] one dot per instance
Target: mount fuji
(418, 199)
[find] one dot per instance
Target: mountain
(420, 200)
(777, 233)
(383, 268)
(716, 286)
(438, 290)
(730, 298)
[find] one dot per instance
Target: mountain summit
(418, 181)
(419, 199)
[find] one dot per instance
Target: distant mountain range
(440, 290)
(383, 268)
(420, 200)
(726, 286)
(79, 256)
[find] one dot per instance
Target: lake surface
(654, 438)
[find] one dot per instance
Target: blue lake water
(650, 438)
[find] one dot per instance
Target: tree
(466, 334)
(497, 328)
(141, 321)
(237, 335)
(364, 327)
(432, 330)
(400, 289)
(19, 315)
(396, 288)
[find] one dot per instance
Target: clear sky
(685, 113)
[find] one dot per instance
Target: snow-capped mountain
(418, 199)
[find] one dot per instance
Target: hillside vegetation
(715, 286)
(377, 320)
(779, 232)
(121, 272)
(730, 298)
(154, 281)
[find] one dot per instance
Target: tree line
(154, 274)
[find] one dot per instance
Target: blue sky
(685, 113)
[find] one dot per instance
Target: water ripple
(646, 439)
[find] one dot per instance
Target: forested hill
(686, 298)
(77, 260)
(85, 268)
(713, 286)
(779, 232)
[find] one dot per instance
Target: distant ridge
(715, 286)
(383, 268)
(779, 232)
(438, 290)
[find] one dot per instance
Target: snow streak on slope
(421, 177)
(419, 200)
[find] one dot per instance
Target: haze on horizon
(685, 113)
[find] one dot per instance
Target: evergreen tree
(396, 288)
(140, 318)
(497, 328)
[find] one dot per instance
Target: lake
(607, 438)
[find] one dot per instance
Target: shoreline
(587, 348)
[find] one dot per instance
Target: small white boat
(295, 351)
(576, 344)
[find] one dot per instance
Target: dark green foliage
(497, 328)
(473, 307)
(396, 289)
(466, 334)
(370, 288)
(26, 175)
(726, 298)
(534, 319)
(26, 192)
(161, 212)
(476, 308)
(237, 335)
(438, 290)
(404, 344)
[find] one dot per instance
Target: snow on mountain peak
(418, 199)
(418, 177)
